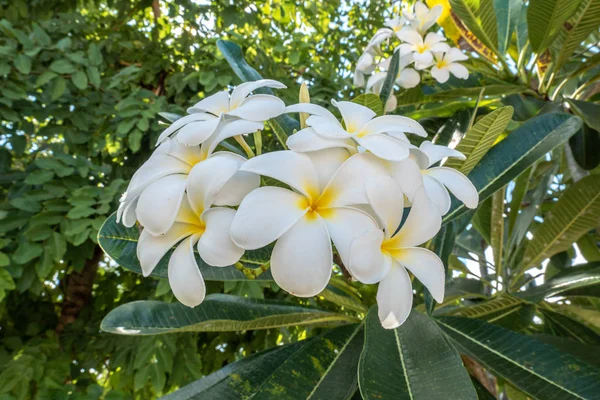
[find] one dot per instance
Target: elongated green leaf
(442, 245)
(534, 367)
(519, 150)
(576, 277)
(507, 15)
(414, 361)
(584, 21)
(589, 112)
(492, 310)
(323, 367)
(584, 146)
(370, 100)
(576, 212)
(480, 138)
(565, 326)
(217, 313)
(545, 19)
(390, 78)
(479, 16)
(119, 243)
(283, 125)
(490, 90)
(585, 316)
(497, 229)
(517, 195)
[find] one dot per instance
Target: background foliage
(82, 84)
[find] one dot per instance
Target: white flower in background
(420, 48)
(382, 136)
(305, 219)
(157, 189)
(196, 222)
(382, 256)
(416, 170)
(446, 63)
(206, 115)
(423, 18)
(406, 78)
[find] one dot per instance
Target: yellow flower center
(441, 64)
(422, 48)
(390, 247)
(321, 206)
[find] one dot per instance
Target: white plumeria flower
(406, 78)
(305, 219)
(195, 222)
(382, 256)
(157, 189)
(416, 170)
(420, 48)
(423, 17)
(206, 115)
(382, 136)
(445, 63)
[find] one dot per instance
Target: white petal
(437, 193)
(366, 262)
(327, 162)
(238, 186)
(393, 123)
(259, 107)
(391, 103)
(159, 202)
(216, 104)
(458, 70)
(126, 213)
(420, 157)
(215, 245)
(150, 249)
(289, 167)
(401, 137)
(433, 38)
(405, 49)
(384, 146)
(427, 267)
(355, 116)
(394, 297)
(227, 129)
(443, 47)
(345, 225)
(436, 152)
(421, 10)
(240, 93)
(409, 78)
(410, 35)
(185, 278)
(458, 184)
(408, 175)
(454, 55)
(188, 154)
(347, 186)
(308, 140)
(364, 61)
(302, 258)
(387, 200)
(183, 121)
(207, 178)
(264, 215)
(311, 109)
(424, 222)
(327, 127)
(405, 61)
(440, 74)
(359, 78)
(423, 58)
(375, 81)
(196, 132)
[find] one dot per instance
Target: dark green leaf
(370, 100)
(390, 78)
(545, 19)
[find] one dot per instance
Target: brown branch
(481, 375)
(78, 291)
(156, 10)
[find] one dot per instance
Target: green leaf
(479, 16)
(519, 150)
(26, 252)
(94, 76)
(584, 21)
(413, 361)
(442, 245)
(480, 138)
(217, 313)
(497, 229)
(44, 78)
(23, 64)
(80, 212)
(60, 85)
(576, 277)
(507, 14)
(62, 66)
(57, 246)
(39, 176)
(4, 260)
(536, 368)
(370, 100)
(119, 243)
(492, 310)
(323, 367)
(545, 19)
(6, 281)
(576, 212)
(584, 146)
(589, 112)
(390, 79)
(80, 80)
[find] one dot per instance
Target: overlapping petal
(159, 202)
(458, 184)
(394, 297)
(184, 275)
(215, 245)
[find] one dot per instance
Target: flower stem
(252, 273)
(258, 142)
(242, 142)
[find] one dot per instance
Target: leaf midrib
(403, 363)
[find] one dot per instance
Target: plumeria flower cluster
(344, 188)
(419, 51)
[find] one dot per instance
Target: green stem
(252, 273)
(242, 142)
(258, 142)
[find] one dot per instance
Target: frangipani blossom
(156, 191)
(195, 223)
(417, 170)
(305, 219)
(383, 256)
(423, 17)
(205, 116)
(420, 48)
(382, 136)
(445, 63)
(406, 78)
